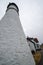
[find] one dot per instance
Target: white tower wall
(13, 45)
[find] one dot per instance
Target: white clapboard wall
(14, 49)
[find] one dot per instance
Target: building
(31, 44)
(34, 44)
(14, 49)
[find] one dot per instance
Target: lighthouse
(14, 49)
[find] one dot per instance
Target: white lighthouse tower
(14, 49)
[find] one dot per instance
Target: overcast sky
(31, 16)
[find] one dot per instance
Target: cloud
(31, 15)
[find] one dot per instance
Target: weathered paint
(14, 49)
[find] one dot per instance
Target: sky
(30, 14)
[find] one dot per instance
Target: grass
(37, 57)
